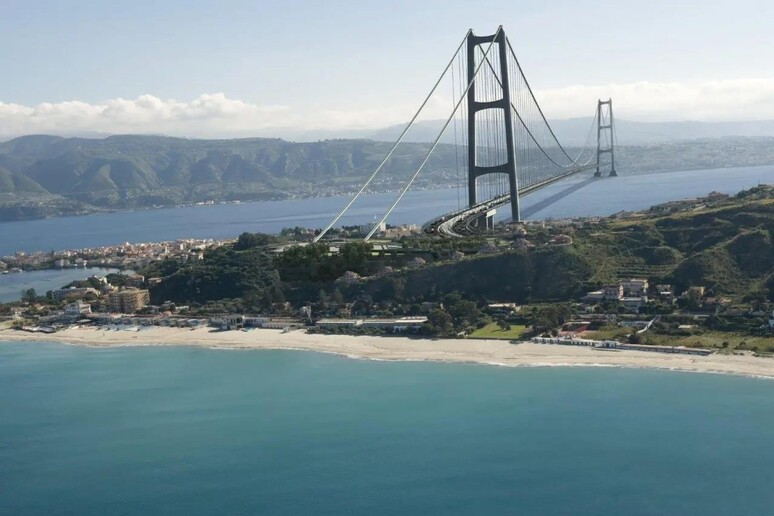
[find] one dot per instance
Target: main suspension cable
(438, 138)
(400, 139)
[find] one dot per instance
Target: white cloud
(208, 114)
(734, 99)
(214, 115)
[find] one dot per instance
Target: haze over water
(183, 431)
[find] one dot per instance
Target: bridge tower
(605, 135)
(504, 103)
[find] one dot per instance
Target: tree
(440, 321)
(250, 240)
(503, 324)
(29, 295)
(338, 297)
(395, 288)
(362, 304)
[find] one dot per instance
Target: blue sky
(369, 63)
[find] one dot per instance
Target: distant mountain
(574, 131)
(43, 175)
(571, 132)
(132, 171)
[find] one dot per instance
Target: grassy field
(608, 333)
(493, 331)
(706, 339)
(714, 339)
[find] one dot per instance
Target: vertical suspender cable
(400, 138)
(435, 143)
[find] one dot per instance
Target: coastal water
(185, 431)
(603, 197)
(12, 285)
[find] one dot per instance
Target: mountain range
(131, 171)
(571, 132)
(45, 175)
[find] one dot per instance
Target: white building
(613, 291)
(366, 228)
(633, 304)
(607, 292)
(73, 293)
(594, 297)
(399, 324)
(77, 308)
(635, 287)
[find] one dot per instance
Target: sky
(237, 68)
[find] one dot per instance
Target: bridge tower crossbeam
(605, 135)
(503, 103)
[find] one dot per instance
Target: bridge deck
(458, 223)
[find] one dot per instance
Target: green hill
(134, 171)
(138, 171)
(724, 245)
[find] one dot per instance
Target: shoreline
(485, 352)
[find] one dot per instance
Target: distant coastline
(486, 352)
(37, 174)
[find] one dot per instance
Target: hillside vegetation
(44, 176)
(724, 245)
(142, 171)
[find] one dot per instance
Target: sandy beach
(492, 352)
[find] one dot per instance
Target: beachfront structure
(237, 321)
(612, 344)
(228, 322)
(128, 301)
(77, 309)
(271, 323)
(398, 325)
(575, 341)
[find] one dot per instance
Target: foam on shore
(487, 352)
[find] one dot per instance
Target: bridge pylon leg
(605, 135)
(504, 104)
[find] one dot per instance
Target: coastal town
(634, 296)
(386, 258)
(619, 315)
(121, 256)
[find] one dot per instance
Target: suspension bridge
(502, 139)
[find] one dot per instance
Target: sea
(191, 431)
(604, 196)
(579, 196)
(12, 285)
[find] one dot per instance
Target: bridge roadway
(460, 223)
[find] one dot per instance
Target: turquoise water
(186, 431)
